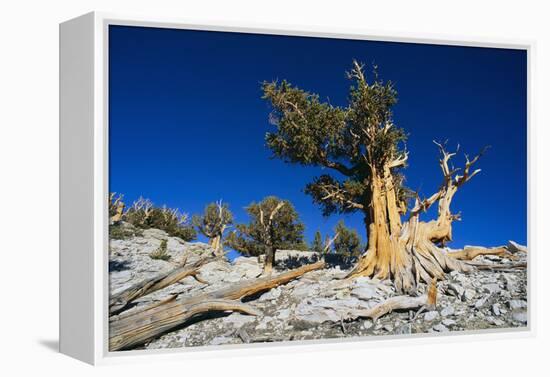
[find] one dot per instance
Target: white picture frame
(84, 188)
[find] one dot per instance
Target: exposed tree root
(411, 252)
(414, 259)
(391, 304)
(426, 301)
(134, 328)
(120, 300)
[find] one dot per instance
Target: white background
(29, 185)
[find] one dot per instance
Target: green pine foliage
(317, 244)
(123, 231)
(144, 215)
(162, 252)
(350, 140)
(348, 242)
(286, 230)
(215, 219)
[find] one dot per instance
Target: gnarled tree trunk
(411, 252)
(216, 244)
(268, 229)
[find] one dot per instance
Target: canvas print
(271, 188)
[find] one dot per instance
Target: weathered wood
(470, 252)
(410, 252)
(426, 301)
(142, 333)
(134, 328)
(120, 300)
(391, 304)
(502, 267)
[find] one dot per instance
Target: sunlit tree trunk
(385, 256)
(411, 252)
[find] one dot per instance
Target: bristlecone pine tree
(364, 147)
(144, 214)
(116, 208)
(216, 219)
(274, 224)
(348, 242)
(317, 244)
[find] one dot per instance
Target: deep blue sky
(187, 122)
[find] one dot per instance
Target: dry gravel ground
(318, 305)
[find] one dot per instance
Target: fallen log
(504, 267)
(470, 252)
(135, 328)
(120, 300)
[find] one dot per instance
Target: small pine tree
(317, 244)
(144, 214)
(348, 242)
(162, 252)
(116, 208)
(213, 223)
(274, 224)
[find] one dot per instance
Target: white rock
(491, 288)
(238, 319)
(448, 322)
(511, 285)
(365, 292)
(469, 294)
(520, 316)
(455, 289)
(272, 294)
(430, 316)
(479, 303)
(505, 295)
(248, 270)
(263, 323)
(367, 324)
(121, 276)
(495, 321)
(440, 328)
(447, 311)
(233, 277)
(404, 329)
(302, 290)
(245, 260)
(220, 340)
(517, 304)
(318, 316)
(155, 233)
(283, 314)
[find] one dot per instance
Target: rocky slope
(319, 305)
